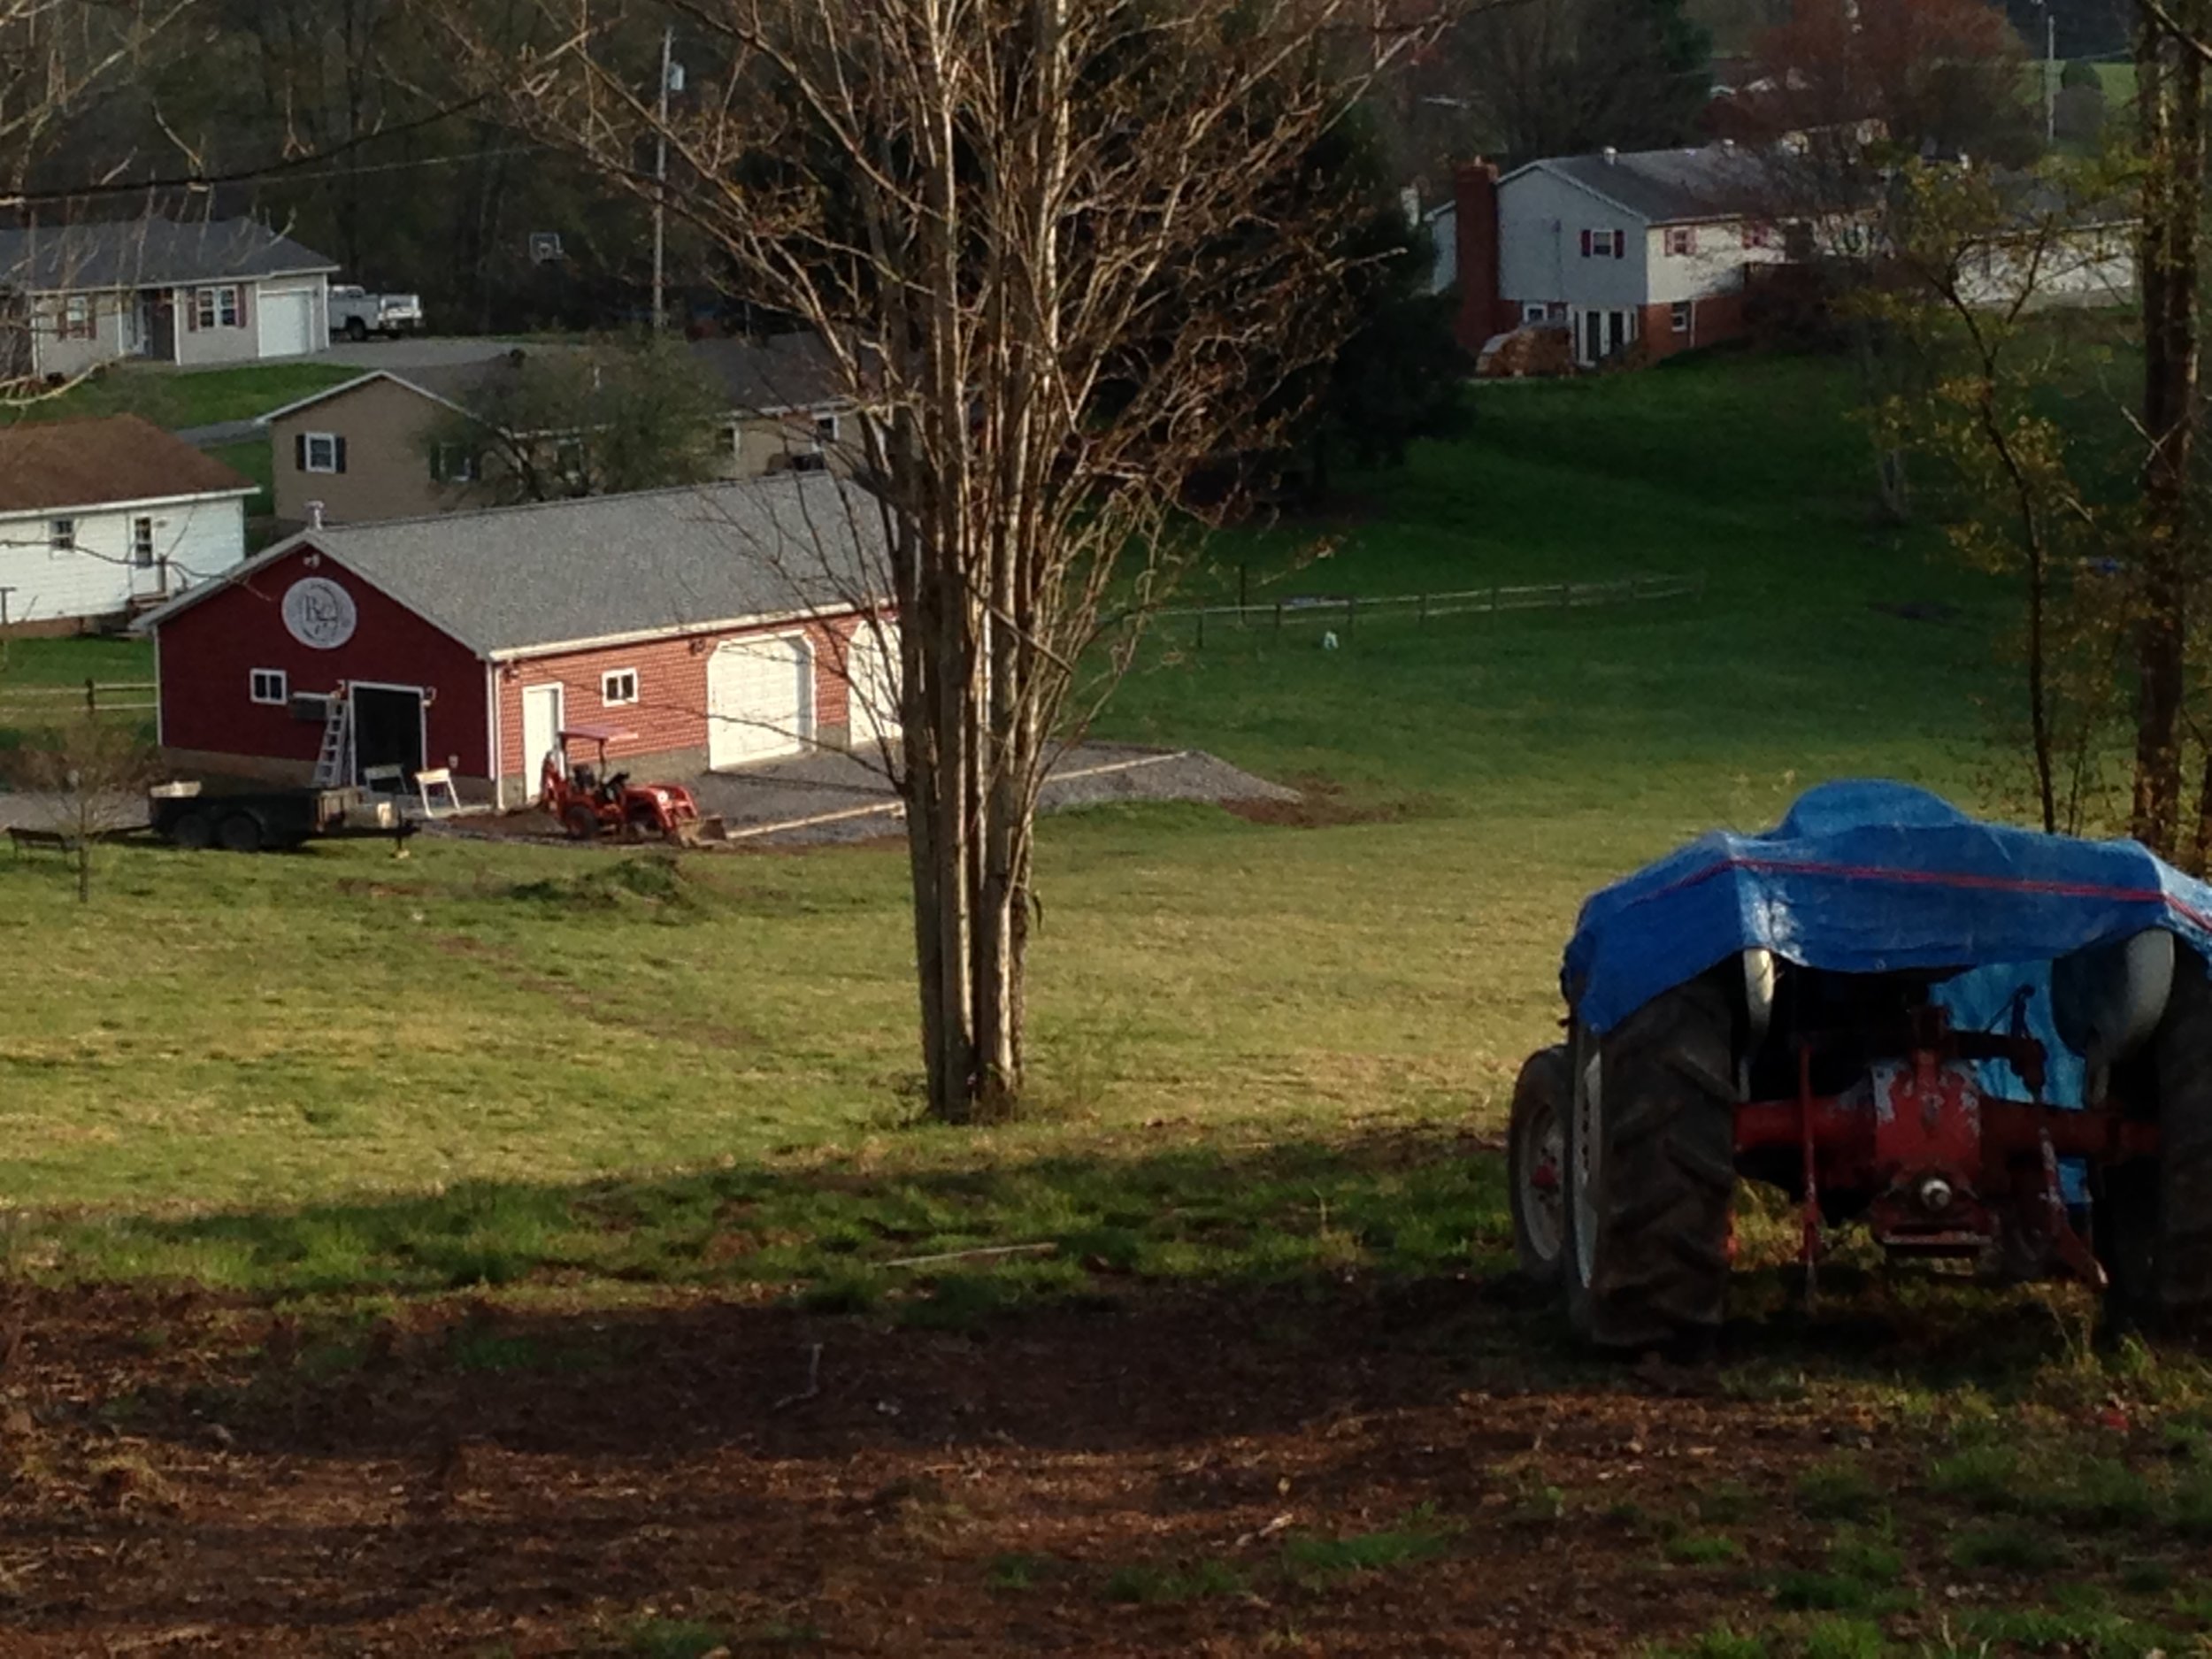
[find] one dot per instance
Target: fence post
(1240, 567)
(91, 698)
(1351, 614)
(1202, 629)
(1493, 602)
(1279, 616)
(1566, 594)
(1424, 617)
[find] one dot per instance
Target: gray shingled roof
(504, 580)
(791, 372)
(512, 579)
(147, 253)
(1666, 187)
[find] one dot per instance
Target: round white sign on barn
(319, 612)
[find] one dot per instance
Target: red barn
(722, 625)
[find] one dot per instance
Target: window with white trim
(318, 451)
(61, 536)
(1682, 239)
(1679, 316)
(216, 308)
(453, 464)
(268, 685)
(142, 543)
(617, 686)
(1604, 244)
(1532, 310)
(76, 317)
(825, 429)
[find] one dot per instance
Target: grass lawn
(178, 398)
(488, 1140)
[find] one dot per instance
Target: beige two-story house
(364, 450)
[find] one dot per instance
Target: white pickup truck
(356, 313)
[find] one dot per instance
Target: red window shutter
(1689, 240)
(191, 310)
(245, 301)
(299, 451)
(1620, 244)
(1586, 244)
(338, 444)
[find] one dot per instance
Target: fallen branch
(965, 1255)
(813, 1379)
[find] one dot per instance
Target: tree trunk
(2172, 100)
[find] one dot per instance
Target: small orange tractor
(590, 801)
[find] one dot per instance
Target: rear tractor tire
(2155, 1217)
(1536, 1156)
(1650, 1172)
(580, 822)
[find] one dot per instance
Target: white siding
(2090, 268)
(1716, 266)
(1443, 224)
(1540, 220)
(56, 356)
(199, 540)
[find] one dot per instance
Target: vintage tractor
(590, 801)
(1987, 1044)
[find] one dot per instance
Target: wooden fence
(1344, 611)
(38, 704)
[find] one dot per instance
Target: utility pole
(2050, 74)
(660, 178)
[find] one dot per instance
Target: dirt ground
(185, 1474)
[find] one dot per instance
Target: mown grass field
(533, 1124)
(178, 398)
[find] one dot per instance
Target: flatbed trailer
(262, 821)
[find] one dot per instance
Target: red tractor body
(592, 803)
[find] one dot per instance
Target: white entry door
(760, 700)
(287, 318)
(872, 669)
(540, 731)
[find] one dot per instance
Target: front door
(541, 730)
(158, 325)
(1616, 333)
(386, 728)
(1592, 336)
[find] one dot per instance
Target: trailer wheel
(1536, 1156)
(580, 822)
(1651, 1172)
(2154, 1224)
(240, 833)
(194, 833)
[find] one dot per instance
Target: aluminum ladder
(334, 762)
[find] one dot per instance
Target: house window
(321, 452)
(1682, 239)
(142, 543)
(618, 688)
(76, 317)
(269, 686)
(61, 536)
(825, 429)
(453, 464)
(1758, 235)
(1604, 244)
(216, 308)
(1679, 315)
(1532, 311)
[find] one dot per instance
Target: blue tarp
(1869, 877)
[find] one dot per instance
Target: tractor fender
(2106, 999)
(1758, 995)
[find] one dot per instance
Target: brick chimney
(1475, 225)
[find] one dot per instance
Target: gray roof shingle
(793, 371)
(511, 579)
(147, 253)
(1671, 186)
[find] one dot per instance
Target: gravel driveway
(834, 797)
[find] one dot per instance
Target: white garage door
(287, 319)
(760, 700)
(873, 669)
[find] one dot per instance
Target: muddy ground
(1152, 1471)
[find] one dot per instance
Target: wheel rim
(1543, 1163)
(1583, 1175)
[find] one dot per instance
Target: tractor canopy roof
(1865, 875)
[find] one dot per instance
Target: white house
(1650, 246)
(100, 518)
(74, 296)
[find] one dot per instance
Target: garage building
(722, 625)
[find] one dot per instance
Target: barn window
(61, 535)
(1679, 315)
(321, 452)
(617, 686)
(268, 685)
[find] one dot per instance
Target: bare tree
(1063, 252)
(95, 771)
